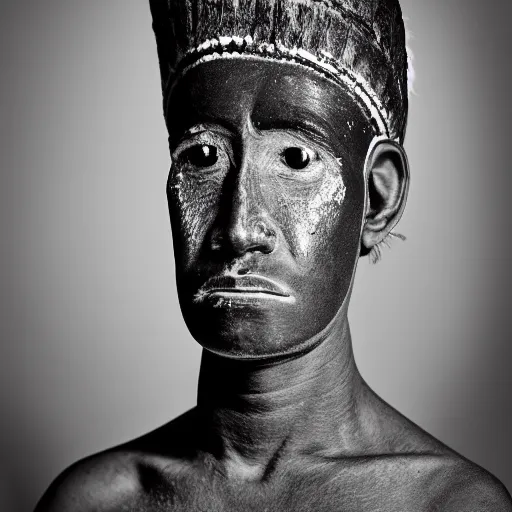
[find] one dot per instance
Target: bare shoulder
(117, 479)
(102, 483)
(454, 483)
(462, 486)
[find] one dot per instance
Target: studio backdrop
(94, 350)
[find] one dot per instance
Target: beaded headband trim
(229, 47)
(358, 44)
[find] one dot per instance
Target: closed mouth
(242, 287)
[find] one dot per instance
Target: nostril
(268, 247)
(262, 230)
(243, 236)
(243, 271)
(217, 240)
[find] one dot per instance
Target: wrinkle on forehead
(295, 100)
(274, 95)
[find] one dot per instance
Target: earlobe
(388, 183)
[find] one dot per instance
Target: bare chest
(345, 490)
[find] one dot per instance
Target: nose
(246, 225)
(248, 230)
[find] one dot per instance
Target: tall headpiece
(360, 44)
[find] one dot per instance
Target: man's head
(286, 165)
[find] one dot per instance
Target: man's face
(266, 199)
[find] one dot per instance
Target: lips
(247, 284)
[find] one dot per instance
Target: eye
(201, 155)
(297, 158)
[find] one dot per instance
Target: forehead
(272, 95)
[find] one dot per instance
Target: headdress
(360, 44)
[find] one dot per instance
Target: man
(286, 121)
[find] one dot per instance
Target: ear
(387, 173)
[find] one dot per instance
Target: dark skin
(273, 195)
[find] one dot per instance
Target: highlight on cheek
(174, 183)
(323, 207)
(195, 200)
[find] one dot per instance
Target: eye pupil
(296, 158)
(202, 155)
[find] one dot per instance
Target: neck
(256, 413)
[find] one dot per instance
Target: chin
(268, 330)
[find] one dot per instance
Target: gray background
(94, 350)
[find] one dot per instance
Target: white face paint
(328, 198)
(278, 206)
(196, 194)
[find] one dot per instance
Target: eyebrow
(197, 128)
(307, 123)
(205, 127)
(304, 126)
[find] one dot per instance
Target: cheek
(193, 202)
(311, 215)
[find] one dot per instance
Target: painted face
(266, 199)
